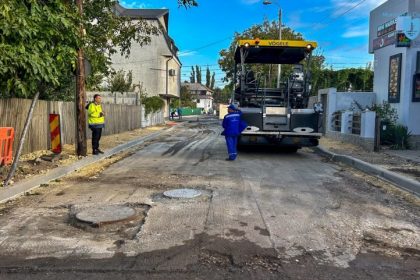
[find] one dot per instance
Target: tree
(213, 80)
(208, 77)
(198, 74)
(38, 42)
(356, 79)
(120, 82)
(185, 99)
(265, 30)
(222, 96)
(322, 77)
(39, 39)
(187, 3)
(192, 77)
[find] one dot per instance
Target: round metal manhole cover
(182, 193)
(106, 214)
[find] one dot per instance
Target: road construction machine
(276, 115)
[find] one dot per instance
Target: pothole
(182, 193)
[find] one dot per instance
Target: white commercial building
(395, 42)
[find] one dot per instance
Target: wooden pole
(22, 140)
(81, 141)
(377, 146)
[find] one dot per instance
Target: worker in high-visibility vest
(96, 120)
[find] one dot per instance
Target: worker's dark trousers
(232, 142)
(96, 136)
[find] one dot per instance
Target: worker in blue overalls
(233, 126)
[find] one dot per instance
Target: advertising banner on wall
(416, 88)
(402, 41)
(384, 41)
(409, 25)
(394, 85)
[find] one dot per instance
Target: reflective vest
(94, 118)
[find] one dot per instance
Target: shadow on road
(268, 150)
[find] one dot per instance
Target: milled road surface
(268, 215)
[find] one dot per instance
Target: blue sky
(201, 32)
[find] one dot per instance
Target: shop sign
(402, 41)
(409, 25)
(384, 41)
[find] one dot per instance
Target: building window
(394, 83)
(416, 88)
(416, 81)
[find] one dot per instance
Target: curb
(400, 181)
(19, 189)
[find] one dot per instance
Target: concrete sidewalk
(411, 155)
(404, 182)
(20, 188)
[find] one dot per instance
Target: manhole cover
(106, 214)
(182, 193)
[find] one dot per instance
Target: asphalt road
(268, 215)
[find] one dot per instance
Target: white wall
(408, 111)
(128, 98)
(205, 104)
(152, 118)
(344, 101)
(148, 65)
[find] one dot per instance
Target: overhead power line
(339, 15)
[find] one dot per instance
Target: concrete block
(346, 122)
(367, 129)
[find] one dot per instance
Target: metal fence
(13, 113)
(336, 121)
(356, 124)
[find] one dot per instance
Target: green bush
(387, 132)
(401, 137)
(152, 104)
(395, 135)
(386, 112)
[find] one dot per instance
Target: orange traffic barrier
(7, 137)
(55, 133)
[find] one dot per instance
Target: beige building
(156, 66)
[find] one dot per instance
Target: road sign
(55, 133)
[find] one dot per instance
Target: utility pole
(267, 2)
(279, 65)
(81, 142)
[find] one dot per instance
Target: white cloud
(295, 20)
(319, 9)
(186, 53)
(133, 4)
(356, 31)
(358, 11)
(250, 2)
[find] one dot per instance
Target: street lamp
(267, 2)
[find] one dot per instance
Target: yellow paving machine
(276, 115)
